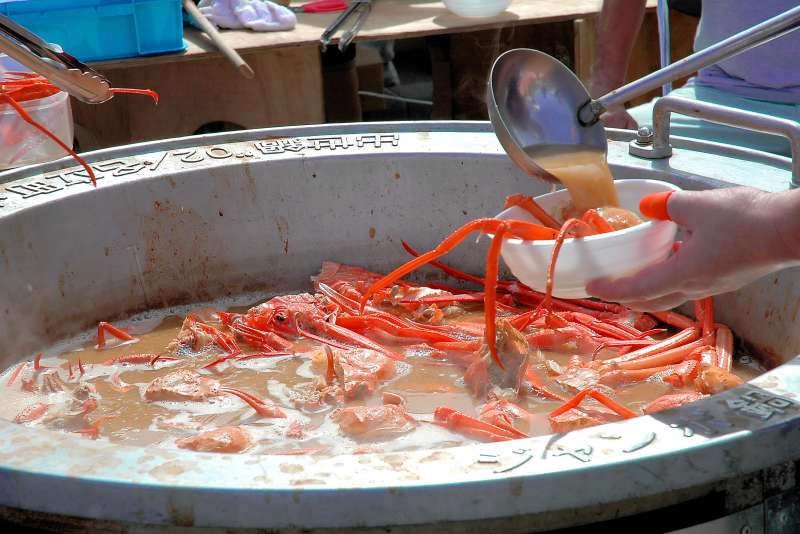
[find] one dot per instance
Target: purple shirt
(768, 72)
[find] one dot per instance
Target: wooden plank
(389, 19)
(585, 41)
(287, 90)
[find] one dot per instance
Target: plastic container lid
(613, 255)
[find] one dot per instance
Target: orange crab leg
(490, 295)
(683, 337)
(226, 342)
(118, 385)
(352, 337)
(472, 427)
(675, 319)
(706, 318)
(262, 408)
(137, 359)
(263, 355)
(27, 118)
(222, 359)
(16, 373)
(93, 430)
(463, 346)
(372, 321)
(531, 206)
(580, 229)
(521, 229)
(619, 409)
(147, 92)
(330, 370)
(724, 346)
(103, 327)
(538, 387)
(671, 356)
(593, 219)
(80, 367)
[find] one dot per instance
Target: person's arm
(617, 27)
(734, 237)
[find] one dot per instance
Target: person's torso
(768, 72)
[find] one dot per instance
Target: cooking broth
(425, 379)
(584, 172)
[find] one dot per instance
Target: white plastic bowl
(613, 255)
(477, 8)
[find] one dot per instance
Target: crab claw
(262, 408)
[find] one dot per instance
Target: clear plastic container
(21, 143)
(477, 8)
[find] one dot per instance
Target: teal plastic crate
(96, 30)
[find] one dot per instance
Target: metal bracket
(655, 144)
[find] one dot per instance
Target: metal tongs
(63, 70)
(361, 9)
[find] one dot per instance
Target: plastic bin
(95, 30)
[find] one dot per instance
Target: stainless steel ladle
(536, 102)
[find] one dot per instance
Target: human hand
(732, 237)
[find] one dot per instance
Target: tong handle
(63, 70)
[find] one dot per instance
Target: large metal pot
(200, 218)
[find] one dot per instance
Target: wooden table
(199, 86)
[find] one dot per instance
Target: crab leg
(103, 327)
(675, 319)
(671, 356)
(353, 337)
(580, 229)
(490, 295)
(16, 373)
(520, 229)
(724, 346)
(264, 355)
(27, 118)
(118, 385)
(538, 387)
(222, 359)
(683, 337)
(619, 409)
(531, 206)
(706, 308)
(330, 369)
(462, 346)
(139, 359)
(472, 427)
(146, 92)
(518, 289)
(225, 341)
(362, 322)
(593, 219)
(262, 408)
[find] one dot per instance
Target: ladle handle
(759, 34)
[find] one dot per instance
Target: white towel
(257, 15)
